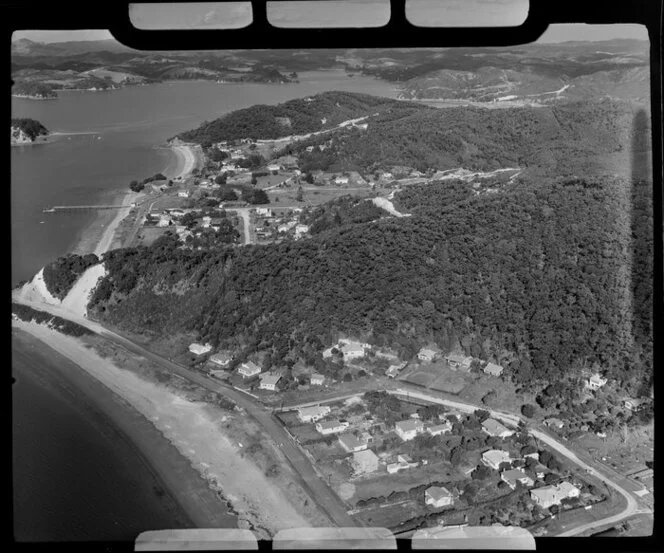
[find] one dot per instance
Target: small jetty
(57, 208)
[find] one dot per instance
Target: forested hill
(300, 116)
(568, 139)
(543, 277)
(26, 130)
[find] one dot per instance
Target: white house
(494, 428)
(301, 229)
(437, 496)
(264, 211)
(249, 369)
(352, 349)
(183, 193)
(269, 381)
(352, 443)
(427, 355)
(222, 359)
(494, 457)
(313, 413)
(364, 462)
(493, 369)
(403, 462)
(393, 370)
(341, 180)
(595, 382)
(461, 362)
(199, 349)
(440, 428)
(164, 221)
(407, 430)
(206, 221)
(635, 404)
(331, 427)
(274, 168)
(547, 496)
(553, 422)
(513, 476)
(317, 379)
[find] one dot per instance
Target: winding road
(326, 499)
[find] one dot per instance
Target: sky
(356, 13)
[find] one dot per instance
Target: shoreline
(185, 492)
(193, 428)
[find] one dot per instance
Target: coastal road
(243, 213)
(325, 498)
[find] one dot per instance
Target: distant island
(27, 131)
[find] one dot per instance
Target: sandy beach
(195, 429)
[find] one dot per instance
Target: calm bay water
(128, 126)
(94, 493)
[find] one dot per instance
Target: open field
(390, 516)
(439, 377)
(147, 235)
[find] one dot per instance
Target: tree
(300, 194)
(528, 410)
(545, 457)
(481, 415)
(348, 377)
(504, 466)
(254, 180)
(136, 186)
(481, 472)
(551, 478)
(528, 449)
(456, 455)
(221, 179)
(309, 178)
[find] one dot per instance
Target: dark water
(128, 126)
(73, 478)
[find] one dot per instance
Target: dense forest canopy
(30, 127)
(537, 277)
(61, 275)
(567, 139)
(295, 117)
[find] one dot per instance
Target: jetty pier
(57, 208)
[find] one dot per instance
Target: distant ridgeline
(586, 137)
(538, 276)
(26, 131)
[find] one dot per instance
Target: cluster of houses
(171, 218)
(350, 349)
(457, 362)
(270, 225)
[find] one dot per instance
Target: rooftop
(270, 379)
(409, 425)
(437, 492)
(493, 426)
(350, 440)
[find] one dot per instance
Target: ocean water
(72, 480)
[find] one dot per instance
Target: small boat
(49, 210)
(41, 222)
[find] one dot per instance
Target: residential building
(176, 212)
(364, 462)
(183, 193)
(341, 180)
(249, 369)
(264, 212)
(331, 427)
(438, 429)
(547, 496)
(494, 457)
(407, 430)
(460, 362)
(269, 381)
(274, 168)
(301, 229)
(595, 382)
(215, 222)
(313, 413)
(635, 404)
(553, 422)
(427, 355)
(352, 349)
(222, 359)
(513, 476)
(351, 443)
(393, 370)
(494, 428)
(534, 455)
(206, 221)
(437, 496)
(317, 379)
(493, 369)
(403, 462)
(164, 221)
(199, 349)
